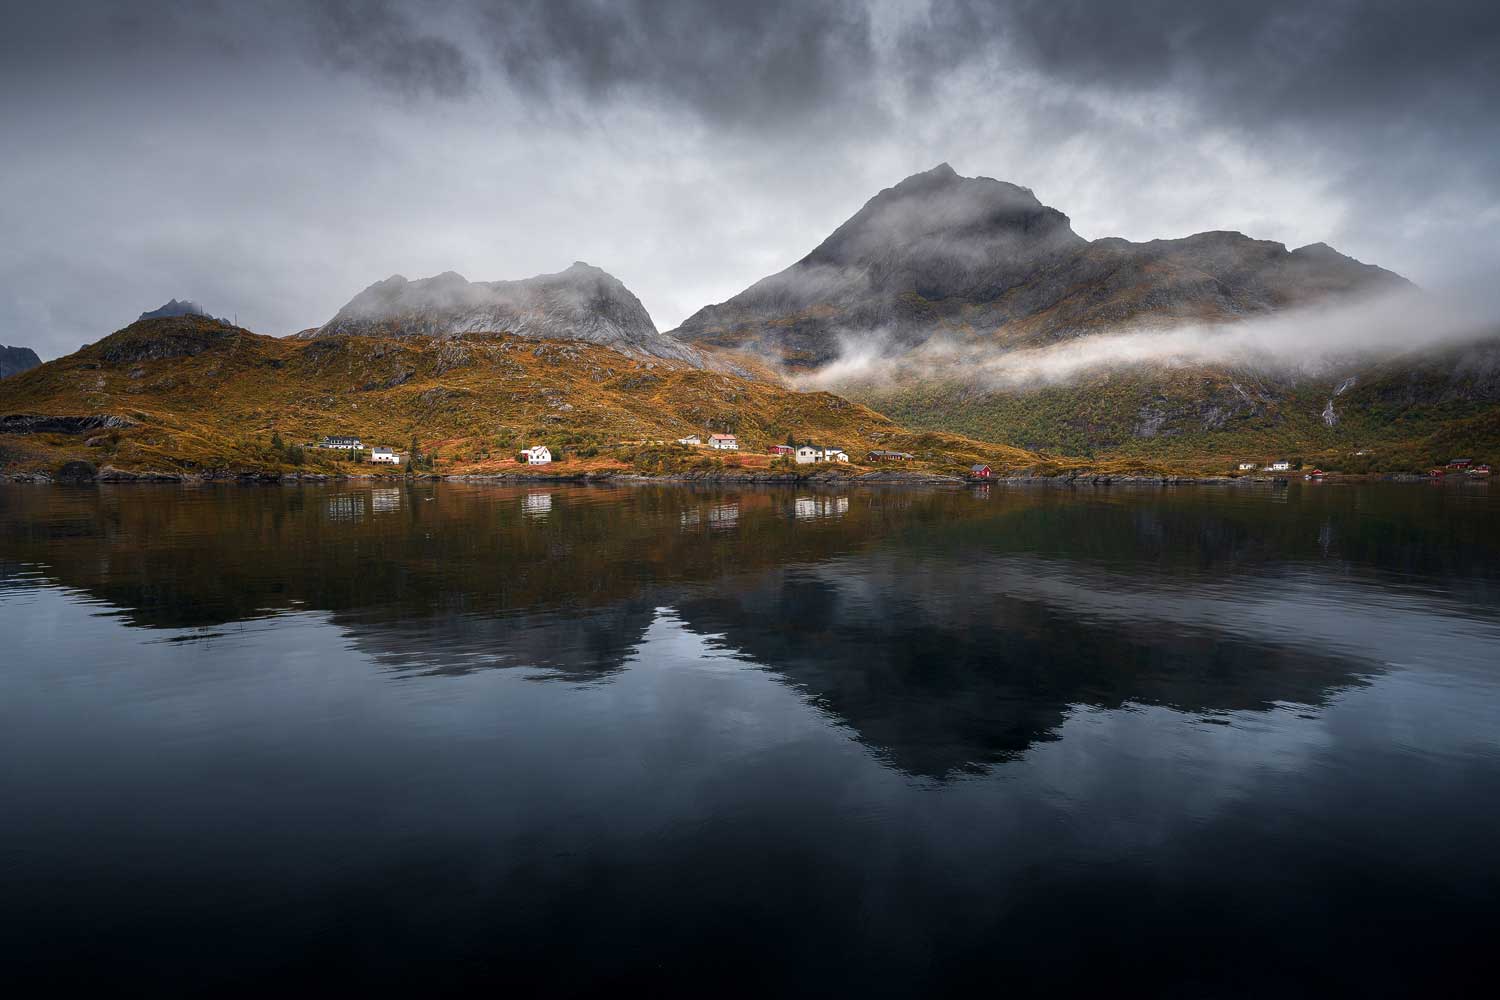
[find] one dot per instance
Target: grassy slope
(1406, 418)
(205, 397)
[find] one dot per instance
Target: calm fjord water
(1193, 741)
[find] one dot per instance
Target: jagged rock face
(978, 259)
(581, 303)
(15, 360)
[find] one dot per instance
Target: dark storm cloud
(754, 63)
(392, 46)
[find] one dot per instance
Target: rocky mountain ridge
(581, 303)
(980, 260)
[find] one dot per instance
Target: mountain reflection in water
(1150, 656)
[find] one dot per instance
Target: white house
(1247, 466)
(536, 455)
(384, 456)
(1280, 466)
(344, 441)
(690, 439)
(820, 453)
(724, 442)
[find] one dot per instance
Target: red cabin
(979, 472)
(780, 449)
(1480, 470)
(1460, 463)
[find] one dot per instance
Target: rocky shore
(74, 473)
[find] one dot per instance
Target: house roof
(722, 437)
(976, 468)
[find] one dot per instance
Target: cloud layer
(271, 160)
(1295, 342)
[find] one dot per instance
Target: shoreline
(884, 477)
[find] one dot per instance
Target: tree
(791, 440)
(276, 441)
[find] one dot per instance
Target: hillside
(194, 395)
(582, 303)
(1402, 415)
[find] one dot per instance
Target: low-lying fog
(1305, 341)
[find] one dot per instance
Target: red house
(1460, 463)
(979, 472)
(1480, 470)
(780, 449)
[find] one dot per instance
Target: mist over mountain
(14, 360)
(581, 303)
(979, 260)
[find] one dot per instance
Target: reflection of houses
(346, 507)
(724, 442)
(888, 456)
(536, 504)
(717, 516)
(385, 500)
(345, 441)
(536, 455)
(690, 439)
(807, 508)
(384, 456)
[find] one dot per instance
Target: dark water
(1186, 742)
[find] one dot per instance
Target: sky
(271, 160)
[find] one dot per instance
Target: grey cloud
(392, 47)
(749, 63)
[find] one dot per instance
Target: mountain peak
(948, 230)
(581, 303)
(975, 257)
(175, 307)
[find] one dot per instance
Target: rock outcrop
(176, 307)
(15, 360)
